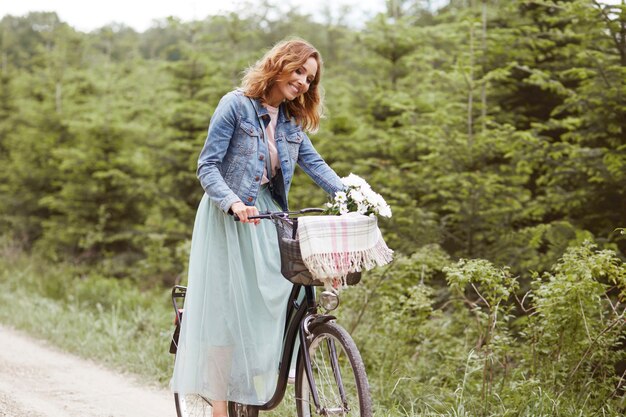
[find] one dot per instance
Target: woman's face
(294, 84)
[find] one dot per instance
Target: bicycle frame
(301, 318)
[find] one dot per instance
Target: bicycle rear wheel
(241, 410)
(339, 376)
(192, 405)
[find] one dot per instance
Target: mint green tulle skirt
(232, 329)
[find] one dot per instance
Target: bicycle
(330, 374)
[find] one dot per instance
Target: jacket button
(257, 178)
(261, 157)
(249, 199)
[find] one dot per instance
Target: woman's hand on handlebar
(243, 212)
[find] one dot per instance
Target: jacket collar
(260, 110)
(263, 114)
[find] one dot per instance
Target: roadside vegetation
(496, 130)
(469, 347)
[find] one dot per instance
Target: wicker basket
(291, 264)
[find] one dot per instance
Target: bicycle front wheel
(338, 373)
(192, 405)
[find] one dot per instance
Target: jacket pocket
(293, 145)
(246, 138)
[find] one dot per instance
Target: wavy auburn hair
(277, 64)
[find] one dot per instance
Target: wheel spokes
(334, 378)
(193, 405)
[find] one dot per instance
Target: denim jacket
(231, 163)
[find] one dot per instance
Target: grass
(106, 320)
(101, 320)
(113, 322)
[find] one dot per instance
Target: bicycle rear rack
(178, 293)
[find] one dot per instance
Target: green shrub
(439, 338)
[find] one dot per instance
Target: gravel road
(38, 380)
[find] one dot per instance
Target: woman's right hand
(243, 212)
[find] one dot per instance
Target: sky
(88, 15)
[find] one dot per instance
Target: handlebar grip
(276, 214)
(235, 217)
(260, 216)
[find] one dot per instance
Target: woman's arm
(221, 130)
(316, 168)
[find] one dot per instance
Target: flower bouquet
(358, 197)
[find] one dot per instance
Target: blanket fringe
(328, 267)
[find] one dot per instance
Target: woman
(231, 337)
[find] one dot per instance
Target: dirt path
(38, 380)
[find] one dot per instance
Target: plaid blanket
(333, 246)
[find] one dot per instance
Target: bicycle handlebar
(282, 214)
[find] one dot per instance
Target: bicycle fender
(312, 322)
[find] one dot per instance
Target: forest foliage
(495, 129)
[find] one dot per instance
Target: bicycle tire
(192, 405)
(241, 410)
(352, 372)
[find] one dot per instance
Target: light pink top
(270, 130)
